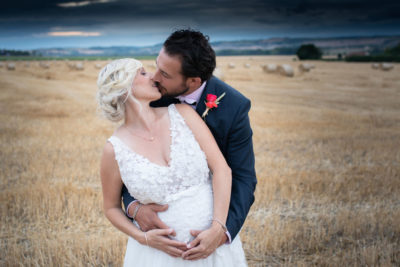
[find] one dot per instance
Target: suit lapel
(209, 89)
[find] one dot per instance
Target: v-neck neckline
(170, 147)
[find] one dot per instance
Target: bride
(165, 156)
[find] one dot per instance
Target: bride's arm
(222, 181)
(112, 185)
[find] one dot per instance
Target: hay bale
(375, 66)
(269, 68)
(1, 64)
(98, 66)
(219, 74)
(11, 66)
(286, 70)
(44, 65)
(231, 65)
(247, 65)
(151, 65)
(75, 66)
(386, 66)
(27, 64)
(305, 67)
(79, 66)
(70, 65)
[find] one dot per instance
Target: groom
(184, 75)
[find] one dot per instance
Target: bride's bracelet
(145, 236)
(136, 210)
(222, 225)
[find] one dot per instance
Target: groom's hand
(147, 217)
(205, 243)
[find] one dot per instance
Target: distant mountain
(272, 46)
(112, 51)
(289, 46)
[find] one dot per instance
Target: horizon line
(237, 40)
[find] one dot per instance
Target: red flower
(211, 98)
(212, 102)
(211, 105)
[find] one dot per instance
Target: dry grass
(327, 147)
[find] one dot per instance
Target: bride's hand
(205, 244)
(158, 239)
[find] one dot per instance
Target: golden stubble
(327, 159)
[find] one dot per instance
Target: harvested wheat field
(327, 145)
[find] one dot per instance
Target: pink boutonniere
(211, 102)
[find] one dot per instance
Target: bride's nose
(156, 77)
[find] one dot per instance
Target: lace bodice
(185, 185)
(149, 182)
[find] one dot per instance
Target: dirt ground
(327, 147)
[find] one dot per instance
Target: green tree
(309, 51)
(394, 51)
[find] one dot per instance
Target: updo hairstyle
(114, 85)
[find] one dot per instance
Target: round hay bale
(270, 68)
(219, 74)
(386, 66)
(11, 66)
(79, 66)
(305, 67)
(231, 65)
(286, 70)
(1, 64)
(44, 65)
(375, 66)
(98, 66)
(247, 65)
(70, 65)
(151, 65)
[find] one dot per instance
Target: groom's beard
(164, 91)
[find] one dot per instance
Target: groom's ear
(193, 82)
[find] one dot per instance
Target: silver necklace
(150, 139)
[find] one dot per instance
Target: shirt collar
(193, 97)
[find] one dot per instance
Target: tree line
(312, 52)
(6, 52)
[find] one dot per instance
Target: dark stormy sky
(27, 24)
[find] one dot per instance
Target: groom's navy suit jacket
(230, 125)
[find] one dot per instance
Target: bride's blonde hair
(114, 85)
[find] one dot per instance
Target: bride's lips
(154, 84)
(160, 88)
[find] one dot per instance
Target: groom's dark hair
(195, 52)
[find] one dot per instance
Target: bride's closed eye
(143, 72)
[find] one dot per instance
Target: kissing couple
(183, 157)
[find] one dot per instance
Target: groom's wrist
(228, 239)
(131, 207)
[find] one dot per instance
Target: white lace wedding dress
(185, 185)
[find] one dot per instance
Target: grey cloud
(260, 17)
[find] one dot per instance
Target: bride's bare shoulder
(188, 113)
(108, 150)
(185, 110)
